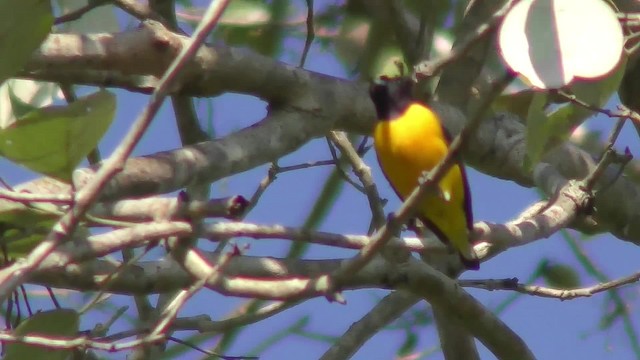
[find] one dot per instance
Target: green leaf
(611, 316)
(59, 322)
(22, 226)
(24, 25)
(560, 276)
(256, 25)
(388, 62)
(246, 13)
(537, 130)
(19, 107)
(19, 97)
(629, 90)
(17, 241)
(516, 103)
(409, 344)
(54, 139)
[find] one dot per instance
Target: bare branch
(384, 312)
(79, 12)
(311, 33)
(23, 197)
(364, 174)
(560, 294)
(455, 342)
(160, 208)
(58, 342)
(139, 11)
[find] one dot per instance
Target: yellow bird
(409, 139)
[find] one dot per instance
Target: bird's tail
(470, 264)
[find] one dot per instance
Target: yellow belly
(407, 147)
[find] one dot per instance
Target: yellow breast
(408, 146)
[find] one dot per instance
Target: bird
(409, 139)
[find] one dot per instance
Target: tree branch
(541, 291)
(384, 312)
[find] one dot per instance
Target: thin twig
(142, 12)
(341, 171)
(23, 291)
(615, 132)
(363, 148)
(23, 197)
(282, 169)
(560, 294)
(79, 12)
(363, 172)
(310, 34)
(217, 231)
(623, 112)
(607, 158)
(590, 180)
(209, 352)
(272, 175)
(563, 294)
(53, 298)
(81, 342)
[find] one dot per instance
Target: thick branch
(211, 160)
(289, 279)
(454, 339)
(384, 312)
(245, 276)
